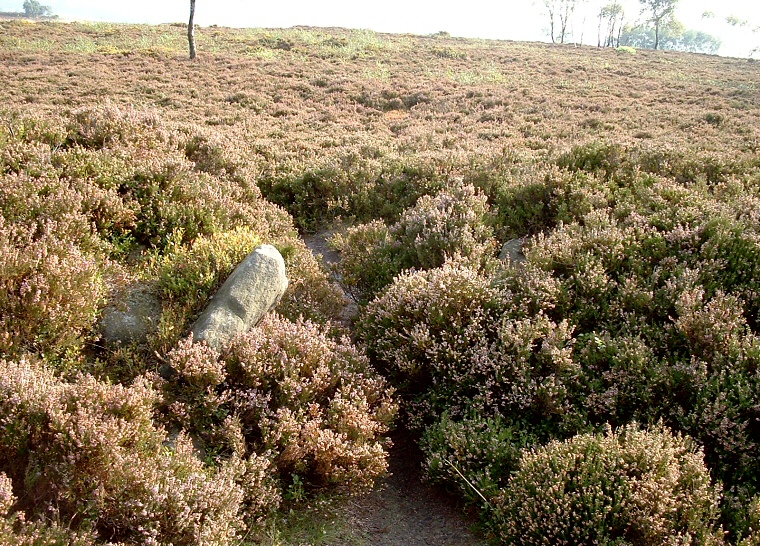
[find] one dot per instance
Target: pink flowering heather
(50, 290)
(91, 450)
(310, 401)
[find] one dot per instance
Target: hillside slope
(614, 374)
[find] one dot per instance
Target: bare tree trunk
(567, 10)
(610, 41)
(656, 34)
(551, 27)
(551, 8)
(620, 30)
(191, 30)
(599, 32)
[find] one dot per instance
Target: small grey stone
(512, 253)
(131, 317)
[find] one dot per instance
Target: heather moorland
(596, 382)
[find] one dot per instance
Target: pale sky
(504, 19)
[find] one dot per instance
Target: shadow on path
(404, 511)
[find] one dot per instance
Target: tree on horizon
(32, 8)
(660, 14)
(560, 12)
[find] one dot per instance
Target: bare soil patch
(402, 510)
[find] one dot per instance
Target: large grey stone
(252, 290)
(130, 317)
(512, 253)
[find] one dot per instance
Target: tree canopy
(660, 12)
(32, 8)
(673, 36)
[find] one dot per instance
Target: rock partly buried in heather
(131, 317)
(252, 290)
(512, 252)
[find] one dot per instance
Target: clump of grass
(626, 49)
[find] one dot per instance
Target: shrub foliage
(632, 487)
(636, 303)
(454, 223)
(90, 452)
(632, 188)
(311, 403)
(104, 197)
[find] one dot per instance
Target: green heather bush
(15, 530)
(481, 451)
(605, 158)
(356, 184)
(426, 322)
(187, 275)
(632, 486)
(308, 402)
(619, 163)
(440, 335)
(171, 195)
(368, 259)
(530, 198)
(190, 273)
(311, 294)
(639, 304)
(451, 224)
(659, 327)
(522, 203)
(753, 538)
(90, 451)
(663, 326)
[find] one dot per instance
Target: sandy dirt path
(402, 510)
